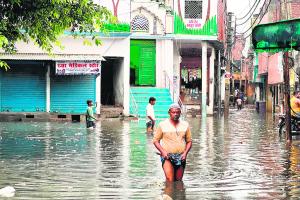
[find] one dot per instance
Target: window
(193, 9)
(140, 23)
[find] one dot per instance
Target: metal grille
(140, 23)
(193, 9)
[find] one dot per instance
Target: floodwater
(239, 158)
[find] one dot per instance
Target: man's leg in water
(168, 170)
(179, 173)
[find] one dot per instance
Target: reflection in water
(238, 158)
(174, 190)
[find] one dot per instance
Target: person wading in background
(90, 119)
(150, 117)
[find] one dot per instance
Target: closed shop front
(70, 91)
(23, 88)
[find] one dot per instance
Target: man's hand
(183, 156)
(165, 155)
(153, 122)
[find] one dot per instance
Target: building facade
(171, 44)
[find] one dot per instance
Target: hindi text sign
(77, 67)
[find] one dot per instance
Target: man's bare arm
(186, 151)
(163, 152)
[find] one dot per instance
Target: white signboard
(77, 67)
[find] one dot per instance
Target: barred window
(193, 9)
(140, 23)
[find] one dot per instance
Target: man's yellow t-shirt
(295, 106)
(173, 138)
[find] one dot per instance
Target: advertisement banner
(77, 67)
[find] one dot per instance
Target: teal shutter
(70, 93)
(23, 89)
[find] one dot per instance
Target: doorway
(142, 62)
(112, 85)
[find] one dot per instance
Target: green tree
(43, 21)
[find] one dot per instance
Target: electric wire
(257, 1)
(254, 23)
(249, 17)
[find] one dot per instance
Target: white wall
(151, 10)
(210, 108)
(118, 82)
(223, 88)
(164, 61)
(176, 69)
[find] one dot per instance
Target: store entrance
(190, 85)
(112, 85)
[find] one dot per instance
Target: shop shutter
(23, 89)
(70, 93)
(145, 61)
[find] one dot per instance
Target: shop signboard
(77, 67)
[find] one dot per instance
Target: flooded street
(239, 158)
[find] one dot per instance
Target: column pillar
(210, 108)
(204, 78)
(126, 67)
(98, 94)
(48, 88)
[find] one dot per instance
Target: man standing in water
(90, 119)
(176, 140)
(150, 117)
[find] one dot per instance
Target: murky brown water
(239, 158)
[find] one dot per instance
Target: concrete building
(173, 45)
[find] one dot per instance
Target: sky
(240, 8)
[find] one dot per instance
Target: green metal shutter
(143, 59)
(70, 93)
(23, 89)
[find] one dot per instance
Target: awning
(45, 56)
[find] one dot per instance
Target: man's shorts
(175, 159)
(90, 124)
(149, 124)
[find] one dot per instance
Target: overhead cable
(249, 17)
(259, 20)
(254, 23)
(257, 1)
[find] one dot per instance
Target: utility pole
(286, 78)
(229, 42)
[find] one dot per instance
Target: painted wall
(164, 61)
(275, 69)
(176, 68)
(154, 14)
(238, 48)
(221, 20)
(262, 63)
(206, 24)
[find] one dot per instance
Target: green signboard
(275, 37)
